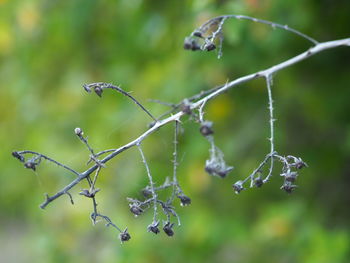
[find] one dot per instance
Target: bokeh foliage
(48, 49)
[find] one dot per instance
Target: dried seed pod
(98, 91)
(195, 46)
(136, 210)
(238, 187)
(258, 182)
(288, 187)
(87, 88)
(30, 165)
(206, 128)
(168, 229)
(198, 33)
(124, 236)
(300, 164)
(209, 46)
(291, 176)
(187, 43)
(186, 107)
(146, 192)
(18, 156)
(153, 228)
(185, 200)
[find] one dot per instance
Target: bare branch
(269, 71)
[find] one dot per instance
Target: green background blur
(48, 49)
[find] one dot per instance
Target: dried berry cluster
(205, 37)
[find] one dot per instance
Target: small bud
(18, 156)
(209, 46)
(124, 236)
(30, 165)
(153, 228)
(238, 187)
(185, 200)
(206, 128)
(197, 34)
(98, 91)
(136, 210)
(79, 132)
(168, 229)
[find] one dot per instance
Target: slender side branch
(205, 26)
(100, 86)
(154, 193)
(39, 156)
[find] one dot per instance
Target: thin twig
(272, 120)
(274, 25)
(154, 193)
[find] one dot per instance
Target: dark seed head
(185, 200)
(86, 88)
(206, 128)
(30, 165)
(291, 176)
(168, 229)
(153, 228)
(188, 44)
(195, 46)
(136, 210)
(98, 91)
(217, 169)
(197, 34)
(258, 182)
(124, 236)
(186, 107)
(300, 164)
(288, 187)
(209, 46)
(18, 156)
(238, 187)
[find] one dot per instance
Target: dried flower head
(18, 156)
(168, 229)
(30, 165)
(288, 187)
(185, 200)
(238, 187)
(153, 228)
(136, 209)
(124, 236)
(206, 128)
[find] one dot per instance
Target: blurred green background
(48, 49)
